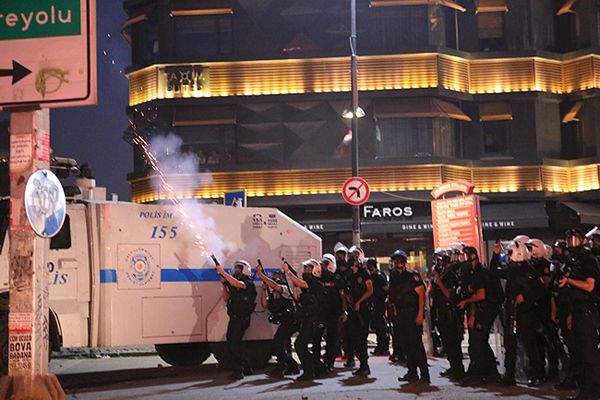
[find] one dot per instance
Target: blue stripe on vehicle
(180, 275)
(108, 276)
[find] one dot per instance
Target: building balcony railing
(376, 73)
(546, 178)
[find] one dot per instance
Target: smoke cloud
(172, 161)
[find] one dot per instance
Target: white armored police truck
(132, 274)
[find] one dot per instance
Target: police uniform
(562, 299)
(332, 309)
(522, 320)
(240, 306)
(398, 345)
(403, 294)
(378, 322)
(482, 364)
(586, 321)
(449, 321)
(283, 312)
(358, 322)
(548, 341)
(310, 316)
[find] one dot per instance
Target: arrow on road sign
(356, 190)
(17, 72)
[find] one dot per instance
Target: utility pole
(28, 318)
(354, 105)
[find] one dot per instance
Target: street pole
(354, 78)
(28, 323)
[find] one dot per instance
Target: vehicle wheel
(183, 354)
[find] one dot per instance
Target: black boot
(364, 370)
(411, 376)
(425, 376)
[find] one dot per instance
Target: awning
(183, 8)
(571, 115)
(505, 216)
(566, 7)
(392, 3)
(134, 20)
(589, 214)
(420, 107)
(514, 216)
(204, 115)
(496, 111)
(483, 6)
(138, 16)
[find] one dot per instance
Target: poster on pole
(457, 220)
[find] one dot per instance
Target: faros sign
(371, 212)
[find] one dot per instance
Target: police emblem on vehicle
(140, 266)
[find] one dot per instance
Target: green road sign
(26, 19)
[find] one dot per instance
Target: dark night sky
(93, 134)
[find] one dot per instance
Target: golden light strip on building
(397, 3)
(201, 11)
(548, 178)
(385, 72)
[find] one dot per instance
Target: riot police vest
(280, 306)
(311, 300)
(402, 290)
(242, 302)
(582, 266)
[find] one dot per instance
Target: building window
(400, 27)
(213, 145)
(143, 33)
(203, 35)
(404, 137)
(495, 120)
(495, 137)
(490, 29)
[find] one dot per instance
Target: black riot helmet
(399, 255)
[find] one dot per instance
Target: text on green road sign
(26, 19)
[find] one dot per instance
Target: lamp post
(354, 105)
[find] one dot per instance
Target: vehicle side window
(62, 240)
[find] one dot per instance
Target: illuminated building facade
(504, 94)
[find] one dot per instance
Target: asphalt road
(147, 377)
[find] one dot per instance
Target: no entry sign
(356, 191)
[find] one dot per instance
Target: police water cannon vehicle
(123, 274)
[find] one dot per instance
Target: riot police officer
(561, 314)
(277, 298)
(523, 289)
(309, 314)
(583, 280)
(407, 292)
(333, 308)
(484, 297)
(445, 315)
(240, 294)
(549, 343)
(354, 253)
(378, 319)
(360, 291)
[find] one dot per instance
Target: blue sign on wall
(235, 199)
